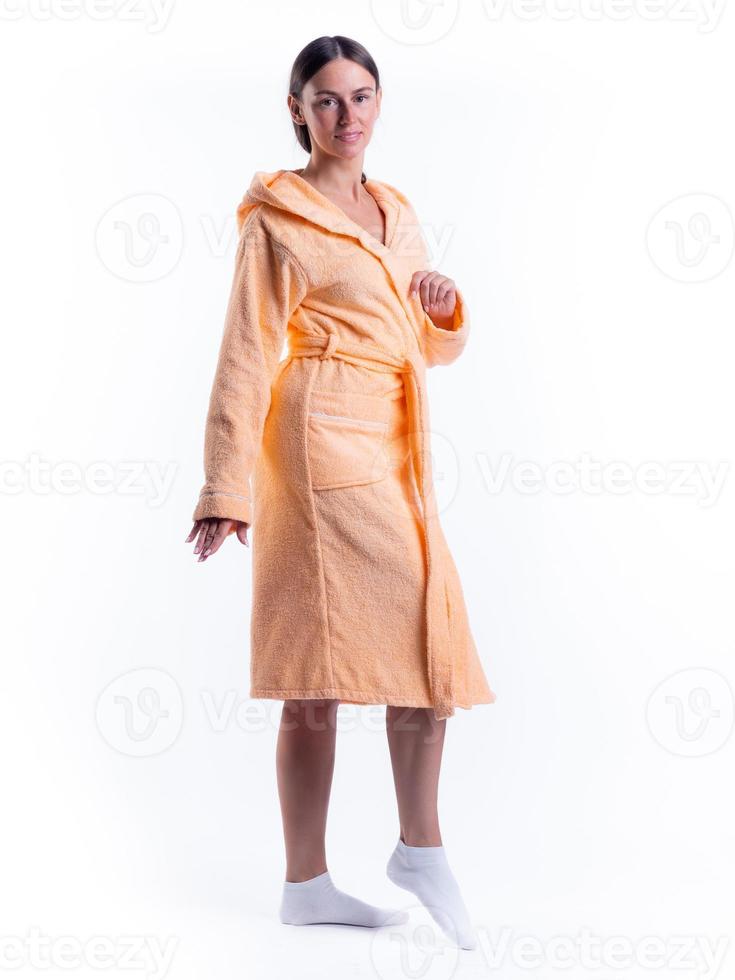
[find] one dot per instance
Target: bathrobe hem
(358, 697)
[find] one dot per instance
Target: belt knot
(331, 346)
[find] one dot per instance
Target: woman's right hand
(210, 532)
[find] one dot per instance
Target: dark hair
(313, 58)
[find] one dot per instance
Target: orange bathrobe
(355, 595)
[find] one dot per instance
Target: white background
(539, 143)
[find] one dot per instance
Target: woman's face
(339, 105)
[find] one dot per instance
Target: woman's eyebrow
(326, 91)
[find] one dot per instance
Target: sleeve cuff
(213, 503)
(445, 345)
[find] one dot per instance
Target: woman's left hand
(438, 296)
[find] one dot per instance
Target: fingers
(212, 531)
(203, 528)
(428, 289)
(416, 281)
(433, 288)
(445, 297)
(216, 534)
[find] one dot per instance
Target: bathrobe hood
(287, 191)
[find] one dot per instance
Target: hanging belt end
(443, 708)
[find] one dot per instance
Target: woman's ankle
(305, 873)
(419, 839)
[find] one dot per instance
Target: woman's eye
(327, 101)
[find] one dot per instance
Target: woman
(355, 594)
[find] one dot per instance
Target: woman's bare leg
(416, 741)
(305, 763)
(419, 863)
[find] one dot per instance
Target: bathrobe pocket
(346, 439)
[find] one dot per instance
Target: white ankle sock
(426, 872)
(317, 900)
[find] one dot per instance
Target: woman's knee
(312, 714)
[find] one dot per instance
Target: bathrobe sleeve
(444, 345)
(268, 285)
(441, 345)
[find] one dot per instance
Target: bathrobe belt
(439, 646)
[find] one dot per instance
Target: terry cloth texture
(327, 453)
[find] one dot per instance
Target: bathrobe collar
(288, 191)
